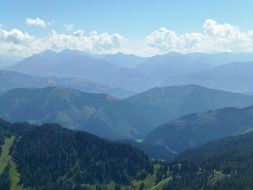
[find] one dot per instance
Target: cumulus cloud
(92, 42)
(36, 22)
(17, 42)
(215, 37)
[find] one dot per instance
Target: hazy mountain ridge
(236, 77)
(74, 109)
(131, 118)
(165, 103)
(69, 63)
(116, 70)
(104, 115)
(193, 130)
(58, 104)
(172, 64)
(123, 60)
(10, 80)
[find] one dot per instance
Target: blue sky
(133, 19)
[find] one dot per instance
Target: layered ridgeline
(219, 165)
(235, 76)
(166, 103)
(195, 129)
(71, 63)
(97, 113)
(56, 104)
(122, 60)
(138, 74)
(131, 118)
(10, 80)
(160, 67)
(50, 157)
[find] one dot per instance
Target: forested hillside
(196, 129)
(50, 157)
(219, 165)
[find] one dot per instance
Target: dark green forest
(219, 165)
(52, 157)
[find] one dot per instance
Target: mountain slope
(122, 118)
(166, 103)
(223, 164)
(236, 77)
(86, 158)
(6, 60)
(123, 60)
(10, 80)
(96, 113)
(52, 104)
(175, 65)
(156, 152)
(172, 64)
(195, 129)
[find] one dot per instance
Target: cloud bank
(17, 42)
(215, 37)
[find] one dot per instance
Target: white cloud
(36, 22)
(17, 42)
(92, 42)
(78, 32)
(215, 37)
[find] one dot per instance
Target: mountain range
(97, 113)
(165, 103)
(103, 115)
(75, 64)
(235, 77)
(10, 80)
(139, 74)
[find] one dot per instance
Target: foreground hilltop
(51, 157)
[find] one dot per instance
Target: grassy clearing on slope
(6, 159)
(160, 185)
(149, 181)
